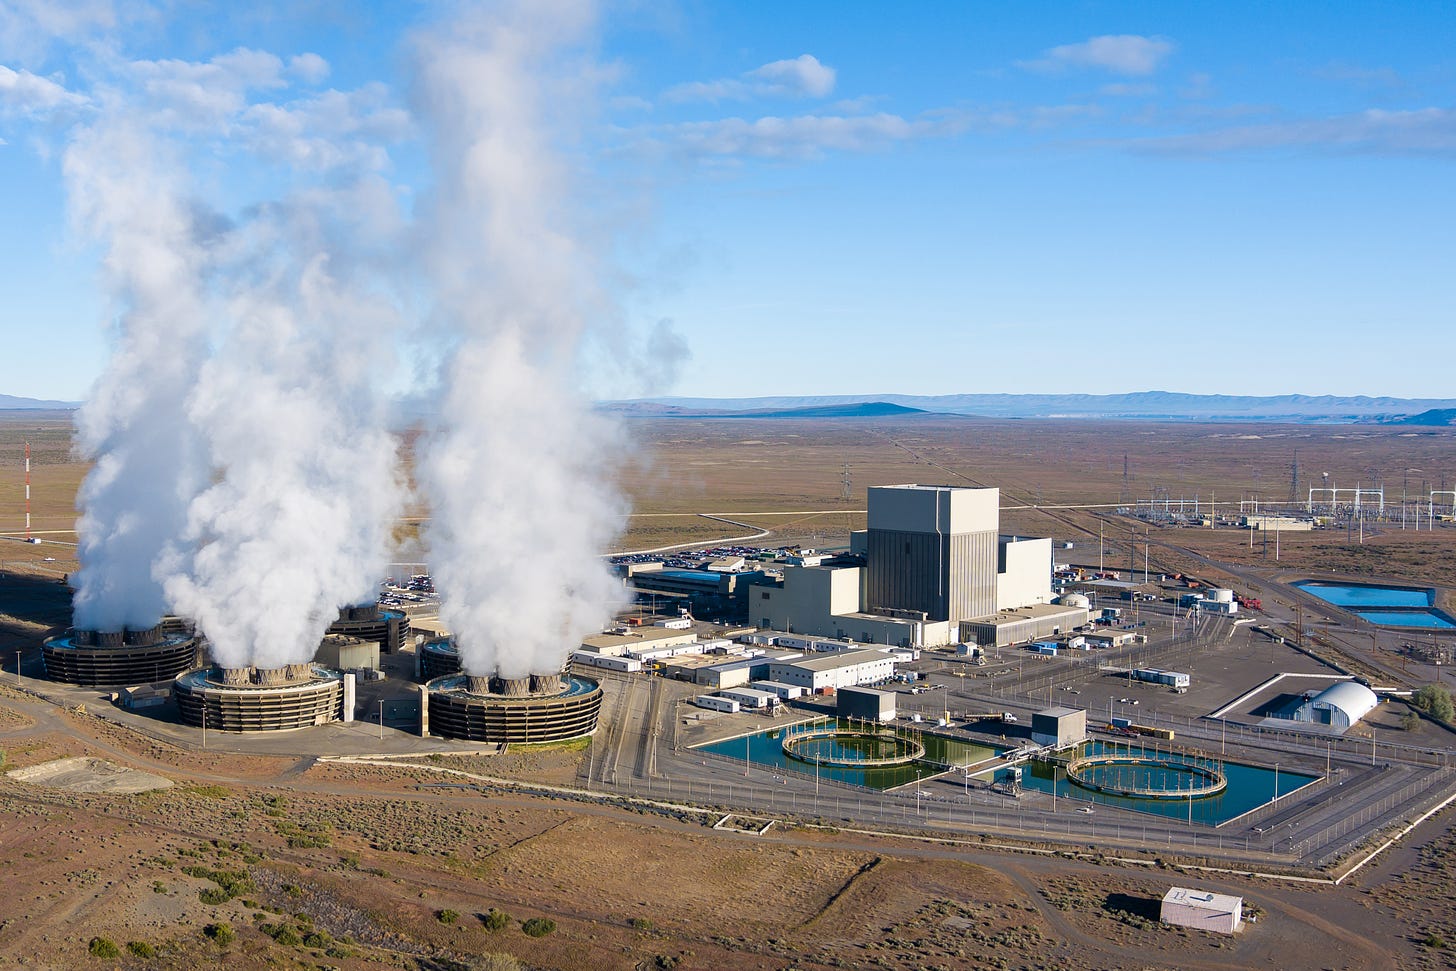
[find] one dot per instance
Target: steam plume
(297, 522)
(516, 470)
(124, 190)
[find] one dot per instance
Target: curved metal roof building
(1338, 706)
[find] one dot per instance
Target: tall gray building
(932, 549)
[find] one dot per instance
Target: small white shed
(1202, 910)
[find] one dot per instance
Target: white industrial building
(1339, 706)
(933, 557)
(1203, 911)
(785, 692)
(1022, 625)
(844, 670)
(750, 698)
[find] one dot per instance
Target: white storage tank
(1221, 595)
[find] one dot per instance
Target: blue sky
(841, 198)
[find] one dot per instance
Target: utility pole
(27, 492)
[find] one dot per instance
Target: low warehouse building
(866, 703)
(1203, 911)
(750, 698)
(785, 692)
(1339, 706)
(1022, 625)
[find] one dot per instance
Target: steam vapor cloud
(244, 474)
(515, 468)
(125, 191)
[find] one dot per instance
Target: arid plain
(308, 863)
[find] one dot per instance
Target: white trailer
(715, 703)
(628, 665)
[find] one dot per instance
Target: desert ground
(279, 862)
(275, 861)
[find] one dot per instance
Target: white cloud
(1425, 131)
(800, 77)
(805, 136)
(1128, 54)
(308, 67)
(27, 27)
(206, 94)
(337, 129)
(30, 95)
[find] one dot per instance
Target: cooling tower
(369, 622)
(539, 708)
(259, 699)
(121, 657)
(437, 659)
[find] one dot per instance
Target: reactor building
(548, 707)
(933, 556)
(123, 657)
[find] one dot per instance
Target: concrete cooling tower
(123, 657)
(436, 659)
(539, 708)
(259, 699)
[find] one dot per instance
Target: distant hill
(855, 409)
(12, 403)
(1145, 405)
(1435, 416)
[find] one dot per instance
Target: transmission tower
(1126, 479)
(846, 484)
(1294, 478)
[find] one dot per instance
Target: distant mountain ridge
(12, 403)
(852, 409)
(1147, 405)
(1434, 417)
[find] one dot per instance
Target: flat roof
(1217, 902)
(856, 690)
(637, 637)
(841, 659)
(747, 693)
(1013, 615)
(692, 661)
(1061, 711)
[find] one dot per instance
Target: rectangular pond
(1249, 786)
(766, 749)
(1386, 606)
